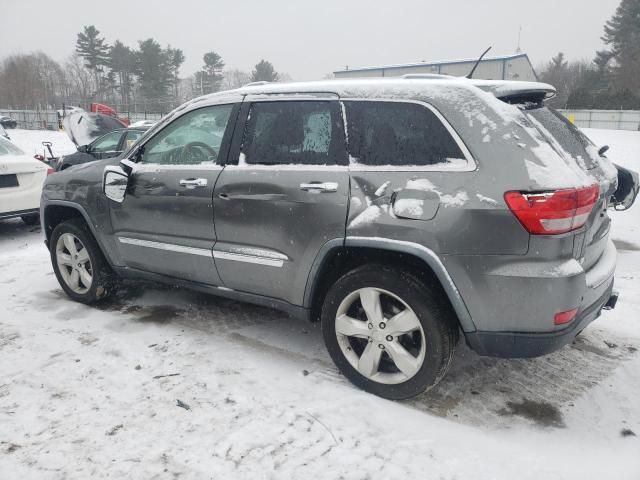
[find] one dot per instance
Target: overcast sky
(311, 39)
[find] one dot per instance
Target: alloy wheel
(380, 335)
(74, 263)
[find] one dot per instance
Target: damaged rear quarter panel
(464, 223)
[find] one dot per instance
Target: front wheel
(388, 332)
(81, 269)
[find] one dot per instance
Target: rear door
(283, 195)
(165, 224)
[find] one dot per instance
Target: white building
(508, 67)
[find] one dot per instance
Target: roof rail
(433, 76)
(255, 84)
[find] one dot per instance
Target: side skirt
(295, 311)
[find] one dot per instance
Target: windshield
(8, 148)
(564, 135)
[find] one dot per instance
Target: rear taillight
(551, 213)
(50, 171)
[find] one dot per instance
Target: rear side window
(398, 133)
(294, 133)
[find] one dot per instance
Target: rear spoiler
(509, 91)
(517, 92)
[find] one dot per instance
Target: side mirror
(84, 148)
(114, 183)
(628, 188)
(604, 149)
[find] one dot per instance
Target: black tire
(103, 278)
(435, 315)
(31, 219)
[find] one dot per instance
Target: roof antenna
(473, 70)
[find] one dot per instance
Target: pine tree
(95, 52)
(122, 63)
(175, 59)
(211, 76)
(622, 35)
(264, 72)
(153, 71)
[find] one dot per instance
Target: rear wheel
(78, 263)
(388, 331)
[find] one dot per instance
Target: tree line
(611, 81)
(145, 78)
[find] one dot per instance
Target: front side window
(398, 134)
(294, 133)
(192, 139)
(108, 143)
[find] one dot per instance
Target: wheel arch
(335, 258)
(58, 211)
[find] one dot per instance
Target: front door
(165, 224)
(283, 195)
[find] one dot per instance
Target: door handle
(319, 187)
(193, 182)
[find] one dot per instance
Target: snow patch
(409, 207)
(369, 215)
(488, 200)
(457, 200)
(383, 188)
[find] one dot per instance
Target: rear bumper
(526, 345)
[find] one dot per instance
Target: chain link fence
(605, 119)
(50, 119)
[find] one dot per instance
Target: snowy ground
(92, 392)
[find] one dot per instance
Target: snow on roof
(435, 63)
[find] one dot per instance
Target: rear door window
(294, 133)
(399, 134)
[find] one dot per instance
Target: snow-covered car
(21, 180)
(8, 122)
(3, 133)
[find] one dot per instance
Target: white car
(21, 180)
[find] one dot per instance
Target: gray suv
(400, 213)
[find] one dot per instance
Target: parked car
(21, 180)
(8, 122)
(3, 133)
(400, 213)
(107, 146)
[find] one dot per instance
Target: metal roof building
(508, 67)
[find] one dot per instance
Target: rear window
(568, 137)
(399, 133)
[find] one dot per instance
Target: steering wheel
(194, 153)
